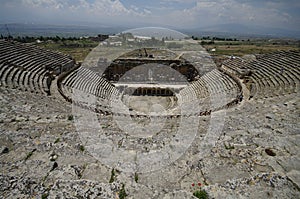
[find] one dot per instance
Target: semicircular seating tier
(83, 84)
(213, 91)
(30, 68)
(268, 75)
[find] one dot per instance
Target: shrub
(122, 193)
(70, 117)
(112, 176)
(45, 195)
(56, 141)
(136, 177)
(201, 194)
(81, 148)
(229, 147)
(29, 154)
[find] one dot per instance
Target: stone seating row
(89, 82)
(36, 80)
(208, 88)
(23, 56)
(85, 83)
(9, 47)
(272, 74)
(29, 68)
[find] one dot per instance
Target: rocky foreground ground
(42, 156)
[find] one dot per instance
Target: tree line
(28, 39)
(214, 38)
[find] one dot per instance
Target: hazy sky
(174, 13)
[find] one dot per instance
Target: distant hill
(227, 30)
(59, 30)
(238, 30)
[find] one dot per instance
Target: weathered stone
(255, 155)
(4, 149)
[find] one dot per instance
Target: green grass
(240, 48)
(70, 117)
(45, 195)
(136, 177)
(29, 154)
(112, 176)
(81, 148)
(122, 193)
(201, 194)
(105, 126)
(78, 49)
(228, 147)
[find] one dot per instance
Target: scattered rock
(53, 157)
(4, 149)
(269, 117)
(54, 166)
(84, 189)
(270, 152)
